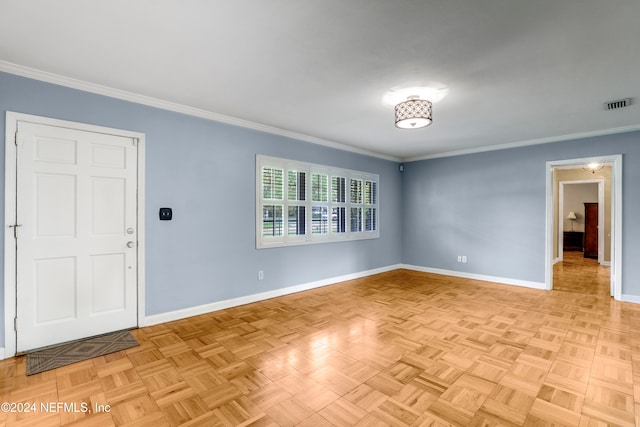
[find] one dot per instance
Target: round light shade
(413, 114)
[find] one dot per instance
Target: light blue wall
(207, 252)
(491, 207)
(487, 206)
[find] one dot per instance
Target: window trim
(310, 238)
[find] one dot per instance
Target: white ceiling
(518, 71)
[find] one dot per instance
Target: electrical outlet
(464, 259)
(260, 274)
(459, 258)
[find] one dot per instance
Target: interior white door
(76, 245)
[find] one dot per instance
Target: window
(339, 204)
(272, 181)
(320, 200)
(296, 195)
(370, 209)
(303, 203)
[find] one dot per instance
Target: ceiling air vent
(620, 103)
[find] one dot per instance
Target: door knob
(130, 244)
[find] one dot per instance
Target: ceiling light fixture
(593, 167)
(414, 113)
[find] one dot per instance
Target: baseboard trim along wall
(234, 302)
(464, 275)
(631, 298)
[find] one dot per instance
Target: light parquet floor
(401, 348)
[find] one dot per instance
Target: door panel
(55, 211)
(591, 230)
(76, 198)
(109, 292)
(55, 151)
(55, 289)
(108, 204)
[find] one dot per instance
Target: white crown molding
(32, 73)
(568, 137)
(57, 79)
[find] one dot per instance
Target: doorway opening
(576, 201)
(565, 240)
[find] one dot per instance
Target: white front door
(76, 245)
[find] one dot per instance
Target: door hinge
(15, 230)
(15, 323)
(15, 140)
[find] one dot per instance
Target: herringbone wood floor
(401, 348)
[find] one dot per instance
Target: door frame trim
(10, 302)
(616, 218)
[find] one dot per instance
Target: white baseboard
(556, 260)
(464, 275)
(234, 302)
(606, 263)
(631, 298)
